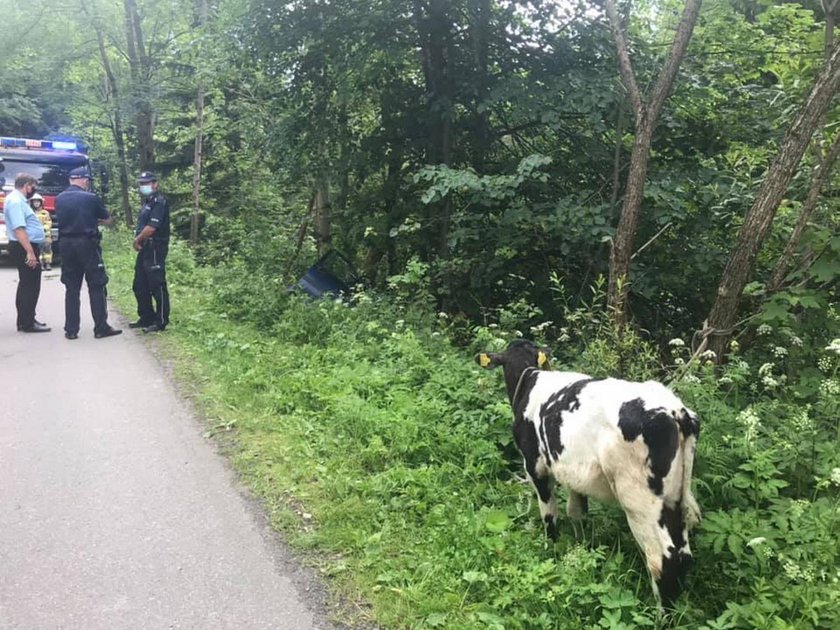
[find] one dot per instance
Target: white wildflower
(792, 570)
(540, 328)
(830, 388)
(765, 369)
(834, 346)
(709, 355)
(760, 540)
(796, 341)
(797, 508)
(676, 343)
(764, 329)
(734, 346)
(802, 421)
(769, 382)
(741, 365)
(679, 361)
(780, 352)
(690, 378)
(725, 380)
(835, 476)
(751, 422)
(825, 364)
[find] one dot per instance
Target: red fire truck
(50, 161)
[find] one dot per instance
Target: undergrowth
(379, 446)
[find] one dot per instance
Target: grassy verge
(383, 451)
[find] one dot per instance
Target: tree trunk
(628, 223)
(117, 125)
(199, 147)
(739, 268)
(619, 145)
(819, 178)
(433, 26)
(345, 153)
(199, 139)
(480, 34)
(831, 9)
(140, 69)
(646, 114)
(323, 220)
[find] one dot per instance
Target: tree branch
(625, 66)
(818, 180)
(672, 64)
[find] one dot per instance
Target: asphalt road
(115, 512)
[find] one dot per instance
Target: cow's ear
(543, 355)
(488, 360)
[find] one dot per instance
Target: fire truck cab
(50, 161)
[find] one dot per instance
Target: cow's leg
(576, 508)
(544, 485)
(690, 509)
(646, 514)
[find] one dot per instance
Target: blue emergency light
(30, 143)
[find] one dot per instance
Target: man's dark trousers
(29, 284)
(150, 283)
(81, 259)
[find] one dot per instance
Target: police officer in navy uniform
(151, 243)
(79, 214)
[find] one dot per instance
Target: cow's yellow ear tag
(483, 359)
(541, 359)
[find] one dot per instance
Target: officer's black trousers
(81, 259)
(29, 284)
(150, 283)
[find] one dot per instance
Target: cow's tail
(690, 426)
(680, 517)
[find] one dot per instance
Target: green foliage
(384, 451)
(469, 152)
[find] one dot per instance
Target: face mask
(146, 190)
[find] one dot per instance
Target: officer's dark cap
(146, 177)
(80, 173)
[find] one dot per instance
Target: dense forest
(650, 188)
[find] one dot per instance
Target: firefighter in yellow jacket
(37, 203)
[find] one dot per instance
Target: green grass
(385, 454)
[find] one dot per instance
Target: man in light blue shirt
(26, 234)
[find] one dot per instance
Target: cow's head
(520, 355)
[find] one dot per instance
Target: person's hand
(31, 261)
(138, 245)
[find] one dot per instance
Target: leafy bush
(380, 446)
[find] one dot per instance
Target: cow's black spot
(521, 388)
(550, 527)
(659, 432)
(528, 443)
(584, 504)
(551, 412)
(676, 564)
(689, 424)
(525, 434)
(671, 519)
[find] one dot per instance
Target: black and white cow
(612, 440)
